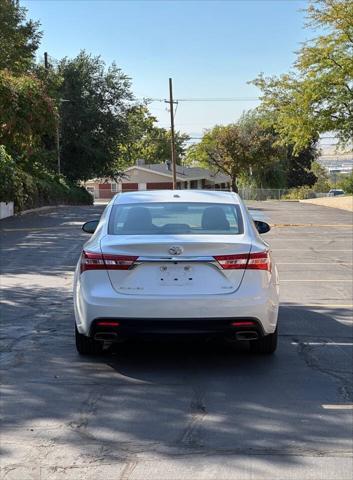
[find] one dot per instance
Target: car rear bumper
(243, 329)
(252, 300)
(264, 310)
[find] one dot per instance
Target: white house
(157, 177)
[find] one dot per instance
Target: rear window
(175, 218)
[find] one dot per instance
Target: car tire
(265, 345)
(86, 345)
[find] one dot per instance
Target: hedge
(28, 191)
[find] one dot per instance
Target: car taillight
(92, 261)
(242, 261)
(101, 261)
(233, 262)
(259, 261)
(118, 262)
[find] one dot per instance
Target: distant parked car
(176, 262)
(334, 192)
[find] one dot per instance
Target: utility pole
(171, 108)
(58, 159)
(57, 129)
(58, 144)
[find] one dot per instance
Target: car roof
(203, 196)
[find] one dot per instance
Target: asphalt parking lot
(178, 410)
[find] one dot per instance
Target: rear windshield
(175, 218)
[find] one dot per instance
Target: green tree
(94, 101)
(346, 183)
(27, 114)
(322, 183)
(317, 96)
(19, 38)
(250, 152)
(267, 169)
(140, 124)
(157, 146)
(144, 140)
(297, 165)
(227, 149)
(7, 175)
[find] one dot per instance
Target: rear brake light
(253, 261)
(259, 261)
(243, 324)
(118, 262)
(233, 262)
(108, 324)
(92, 261)
(99, 261)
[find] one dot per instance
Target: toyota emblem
(175, 250)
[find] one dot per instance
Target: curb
(47, 207)
(39, 209)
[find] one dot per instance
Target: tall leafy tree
(317, 96)
(19, 37)
(245, 150)
(298, 165)
(266, 168)
(322, 183)
(156, 146)
(346, 183)
(227, 149)
(250, 152)
(94, 101)
(27, 114)
(145, 140)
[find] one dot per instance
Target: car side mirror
(90, 227)
(262, 227)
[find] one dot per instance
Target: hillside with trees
(64, 123)
(74, 119)
(275, 146)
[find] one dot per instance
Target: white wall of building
(6, 209)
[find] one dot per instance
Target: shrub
(346, 183)
(7, 176)
(299, 193)
(31, 191)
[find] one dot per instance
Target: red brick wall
(105, 190)
(128, 187)
(159, 185)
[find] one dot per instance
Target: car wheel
(265, 345)
(86, 345)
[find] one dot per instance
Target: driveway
(178, 410)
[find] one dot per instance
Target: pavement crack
(345, 387)
(191, 434)
(88, 410)
(128, 469)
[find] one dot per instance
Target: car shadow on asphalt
(175, 397)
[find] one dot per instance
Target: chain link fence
(248, 193)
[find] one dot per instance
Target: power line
(220, 99)
(225, 99)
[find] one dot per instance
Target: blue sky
(209, 48)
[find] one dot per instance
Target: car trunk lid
(173, 265)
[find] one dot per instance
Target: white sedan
(176, 262)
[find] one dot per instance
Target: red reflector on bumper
(243, 324)
(108, 324)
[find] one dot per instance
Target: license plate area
(176, 275)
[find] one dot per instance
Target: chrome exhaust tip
(242, 336)
(106, 336)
